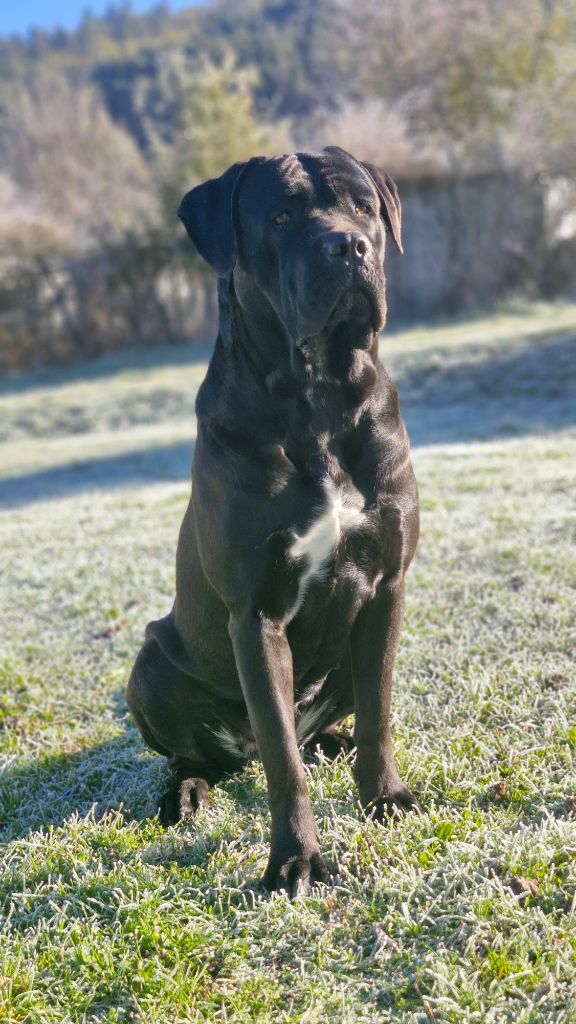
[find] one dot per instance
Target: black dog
(304, 511)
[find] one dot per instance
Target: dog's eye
(364, 209)
(281, 219)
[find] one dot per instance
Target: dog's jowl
(304, 511)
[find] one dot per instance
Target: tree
(217, 126)
(467, 70)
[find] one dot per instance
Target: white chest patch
(321, 539)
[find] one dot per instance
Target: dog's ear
(388, 192)
(207, 214)
(386, 188)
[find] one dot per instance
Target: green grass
(466, 913)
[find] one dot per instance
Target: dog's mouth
(355, 306)
(350, 327)
(355, 314)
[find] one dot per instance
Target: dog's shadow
(47, 791)
(119, 774)
(119, 781)
(91, 787)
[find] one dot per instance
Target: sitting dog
(304, 511)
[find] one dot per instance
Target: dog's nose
(351, 245)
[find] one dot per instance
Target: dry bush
(80, 256)
(61, 309)
(379, 131)
(484, 85)
(92, 256)
(72, 164)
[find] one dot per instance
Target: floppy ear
(391, 210)
(206, 213)
(387, 191)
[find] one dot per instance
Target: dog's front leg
(374, 643)
(264, 662)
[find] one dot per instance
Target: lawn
(465, 913)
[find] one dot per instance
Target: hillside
(140, 63)
(103, 129)
(431, 62)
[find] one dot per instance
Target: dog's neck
(285, 370)
(254, 395)
(317, 428)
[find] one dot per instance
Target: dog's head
(304, 237)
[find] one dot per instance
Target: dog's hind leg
(330, 743)
(189, 790)
(164, 704)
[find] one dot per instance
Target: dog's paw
(330, 744)
(182, 801)
(295, 875)
(400, 801)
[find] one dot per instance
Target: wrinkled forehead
(321, 179)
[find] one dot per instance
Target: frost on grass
(465, 913)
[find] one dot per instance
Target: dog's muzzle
(352, 246)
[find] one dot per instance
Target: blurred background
(107, 118)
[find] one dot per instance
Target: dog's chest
(313, 549)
